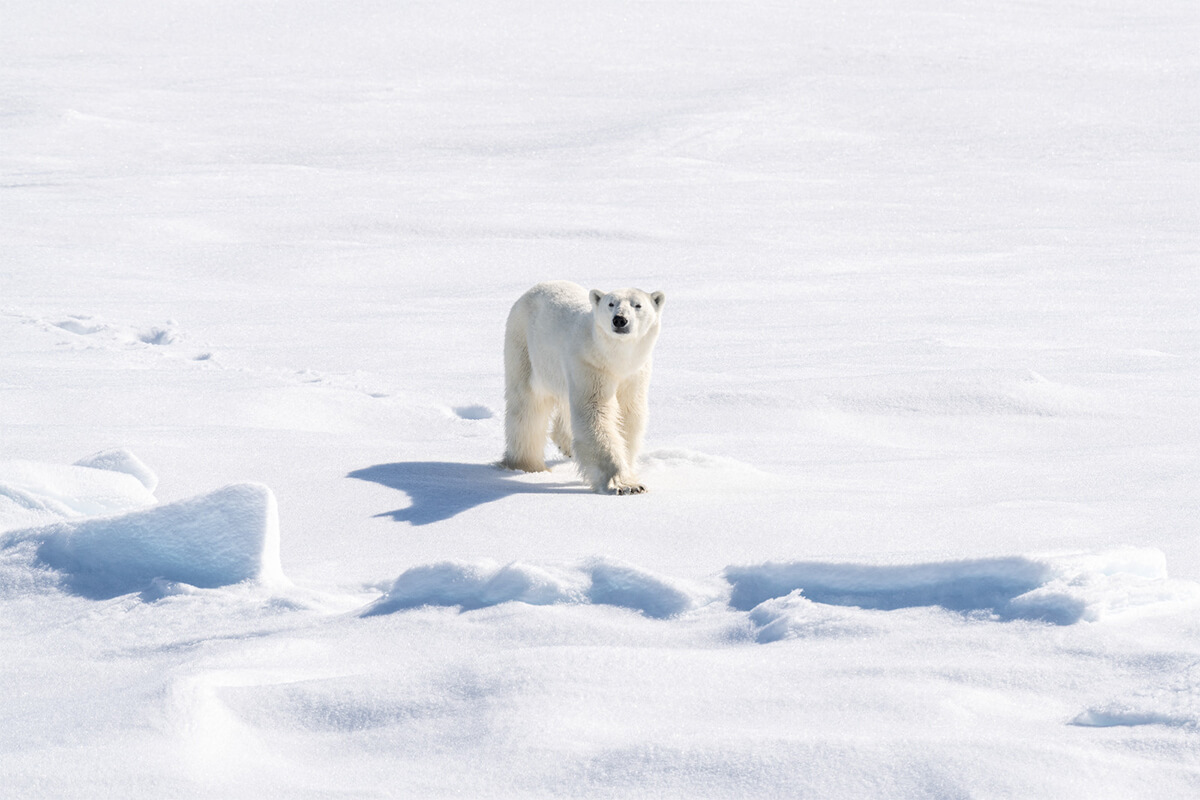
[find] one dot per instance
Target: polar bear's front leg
(632, 399)
(599, 444)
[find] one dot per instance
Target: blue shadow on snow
(439, 490)
(1005, 588)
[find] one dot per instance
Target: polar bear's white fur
(577, 363)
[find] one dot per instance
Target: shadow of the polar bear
(439, 490)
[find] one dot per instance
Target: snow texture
(221, 538)
(121, 460)
(474, 586)
(924, 437)
(1060, 589)
(32, 491)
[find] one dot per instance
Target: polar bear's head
(626, 313)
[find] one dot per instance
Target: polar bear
(578, 363)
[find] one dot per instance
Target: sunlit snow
(923, 458)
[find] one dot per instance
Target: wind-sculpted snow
(1062, 590)
(799, 599)
(107, 483)
(474, 586)
(121, 460)
(959, 586)
(933, 269)
(225, 537)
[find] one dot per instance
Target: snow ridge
(599, 582)
(1061, 590)
(221, 538)
(790, 600)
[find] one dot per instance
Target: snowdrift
(225, 537)
(1057, 589)
(600, 582)
(108, 482)
(787, 600)
(102, 549)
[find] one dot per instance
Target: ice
(221, 538)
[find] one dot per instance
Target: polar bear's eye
(611, 305)
(637, 305)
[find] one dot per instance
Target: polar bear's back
(550, 310)
(551, 320)
(558, 298)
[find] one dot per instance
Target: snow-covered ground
(924, 451)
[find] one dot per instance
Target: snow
(474, 586)
(224, 537)
(923, 450)
(1058, 589)
(121, 460)
(100, 484)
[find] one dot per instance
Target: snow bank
(1058, 589)
(957, 585)
(806, 598)
(225, 537)
(121, 460)
(472, 586)
(107, 483)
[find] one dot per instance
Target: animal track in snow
(1174, 704)
(160, 336)
(81, 325)
(473, 412)
(99, 333)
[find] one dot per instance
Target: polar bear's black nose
(620, 322)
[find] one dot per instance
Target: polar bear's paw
(522, 465)
(619, 485)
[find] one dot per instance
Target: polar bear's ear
(596, 296)
(658, 298)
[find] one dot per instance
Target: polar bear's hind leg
(526, 413)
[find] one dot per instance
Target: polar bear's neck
(622, 357)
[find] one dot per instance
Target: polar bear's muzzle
(620, 324)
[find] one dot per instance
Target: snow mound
(629, 587)
(479, 585)
(221, 538)
(33, 493)
(1057, 589)
(796, 617)
(121, 460)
